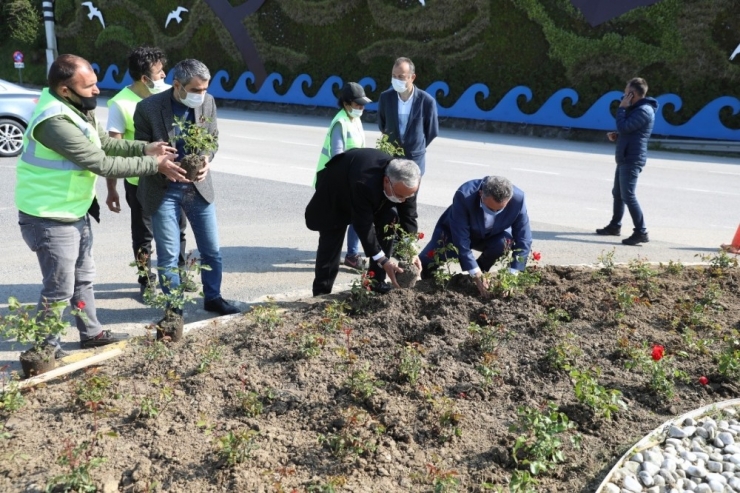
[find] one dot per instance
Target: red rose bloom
(80, 304)
(658, 352)
(703, 380)
(421, 236)
(370, 273)
(536, 256)
(430, 254)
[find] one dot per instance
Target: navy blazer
(464, 222)
(421, 130)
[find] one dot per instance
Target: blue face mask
(490, 211)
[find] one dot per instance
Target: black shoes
(609, 231)
(381, 287)
(220, 306)
(636, 239)
(106, 337)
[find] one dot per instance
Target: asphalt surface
(263, 174)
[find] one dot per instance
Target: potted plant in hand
(30, 326)
(197, 142)
(405, 249)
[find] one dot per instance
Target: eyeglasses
(402, 78)
(393, 192)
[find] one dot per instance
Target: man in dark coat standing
(369, 189)
(487, 215)
(154, 119)
(635, 120)
(408, 115)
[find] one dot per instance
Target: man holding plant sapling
(64, 150)
(186, 116)
(488, 215)
(146, 67)
(370, 190)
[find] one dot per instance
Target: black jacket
(350, 190)
(635, 124)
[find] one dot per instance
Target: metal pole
(51, 37)
(20, 76)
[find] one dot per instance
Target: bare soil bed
(319, 402)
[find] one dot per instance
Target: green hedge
(679, 46)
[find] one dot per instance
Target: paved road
(263, 172)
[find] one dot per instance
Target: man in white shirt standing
(146, 68)
(407, 114)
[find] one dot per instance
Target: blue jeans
(625, 185)
(353, 242)
(166, 225)
(64, 252)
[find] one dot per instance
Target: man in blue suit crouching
(488, 215)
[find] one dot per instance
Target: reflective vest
(126, 100)
(47, 184)
(352, 139)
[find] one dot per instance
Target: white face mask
(192, 100)
(392, 198)
(399, 85)
(157, 86)
(355, 113)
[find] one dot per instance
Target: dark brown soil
(447, 432)
(36, 362)
(192, 164)
(171, 327)
(409, 276)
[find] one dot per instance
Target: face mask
(399, 85)
(192, 100)
(392, 198)
(355, 113)
(86, 103)
(490, 211)
(157, 86)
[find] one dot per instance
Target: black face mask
(86, 103)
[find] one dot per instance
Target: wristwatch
(382, 261)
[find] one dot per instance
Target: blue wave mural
(705, 124)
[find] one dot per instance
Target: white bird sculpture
(175, 14)
(737, 50)
(94, 12)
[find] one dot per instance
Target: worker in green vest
(345, 133)
(64, 149)
(146, 68)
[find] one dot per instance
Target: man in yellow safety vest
(64, 150)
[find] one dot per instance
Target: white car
(16, 107)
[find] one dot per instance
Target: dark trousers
(625, 186)
(329, 252)
(491, 248)
(142, 234)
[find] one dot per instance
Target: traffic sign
(18, 57)
(19, 65)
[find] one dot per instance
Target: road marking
(241, 159)
(469, 163)
(271, 140)
(298, 143)
(724, 173)
(535, 171)
(708, 191)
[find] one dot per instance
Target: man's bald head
(64, 69)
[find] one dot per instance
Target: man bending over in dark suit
(163, 200)
(486, 215)
(369, 189)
